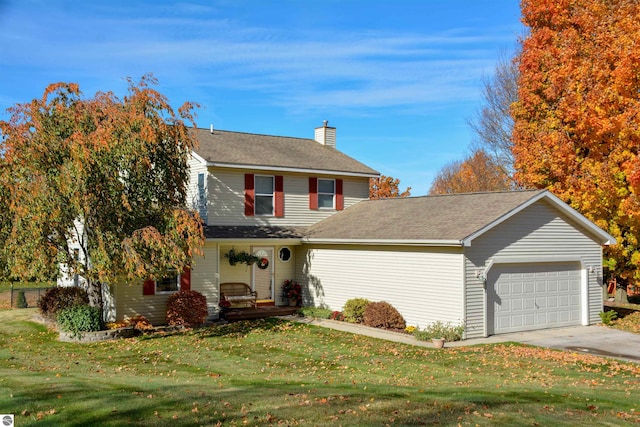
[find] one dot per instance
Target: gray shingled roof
(429, 218)
(240, 149)
(250, 232)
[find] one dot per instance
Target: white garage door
(524, 297)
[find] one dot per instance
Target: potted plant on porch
(292, 291)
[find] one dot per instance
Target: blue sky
(398, 79)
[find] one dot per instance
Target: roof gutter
(253, 241)
(384, 242)
(290, 169)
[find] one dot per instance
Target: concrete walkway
(595, 340)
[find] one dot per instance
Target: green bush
(383, 315)
(22, 300)
(315, 312)
(59, 298)
(353, 310)
(448, 331)
(187, 308)
(78, 319)
(608, 317)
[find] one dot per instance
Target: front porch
(247, 313)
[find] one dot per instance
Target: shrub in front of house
(353, 310)
(336, 315)
(78, 319)
(448, 331)
(58, 298)
(383, 315)
(187, 308)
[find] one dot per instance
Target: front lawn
(274, 372)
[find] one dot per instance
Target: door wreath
(263, 263)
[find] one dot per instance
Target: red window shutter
(279, 208)
(185, 279)
(339, 195)
(313, 193)
(249, 194)
(149, 287)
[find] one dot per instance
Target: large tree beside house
(97, 185)
(577, 119)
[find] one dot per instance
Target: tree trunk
(94, 289)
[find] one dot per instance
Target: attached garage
(498, 262)
(523, 297)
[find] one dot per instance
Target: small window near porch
(168, 284)
(284, 254)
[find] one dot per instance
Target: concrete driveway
(595, 340)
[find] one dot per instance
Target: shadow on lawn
(277, 403)
(235, 329)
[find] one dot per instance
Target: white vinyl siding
(538, 232)
(131, 302)
(204, 276)
(424, 284)
(226, 199)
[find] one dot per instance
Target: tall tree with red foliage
(109, 174)
(577, 119)
(478, 172)
(386, 187)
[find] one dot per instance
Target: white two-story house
(255, 194)
(498, 262)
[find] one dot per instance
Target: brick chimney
(326, 135)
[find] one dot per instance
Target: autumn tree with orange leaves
(107, 173)
(386, 187)
(478, 172)
(577, 121)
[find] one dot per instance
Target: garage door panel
(533, 296)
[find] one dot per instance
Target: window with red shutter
(149, 287)
(339, 195)
(313, 193)
(279, 196)
(185, 279)
(249, 194)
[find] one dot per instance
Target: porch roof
(235, 232)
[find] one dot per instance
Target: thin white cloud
(297, 70)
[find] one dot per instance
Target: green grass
(274, 372)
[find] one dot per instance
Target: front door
(263, 273)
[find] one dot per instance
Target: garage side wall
(423, 284)
(538, 232)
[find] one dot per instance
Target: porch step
(266, 303)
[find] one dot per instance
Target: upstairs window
(263, 195)
(202, 197)
(264, 192)
(326, 193)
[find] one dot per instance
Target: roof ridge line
(256, 134)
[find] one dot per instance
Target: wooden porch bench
(238, 292)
